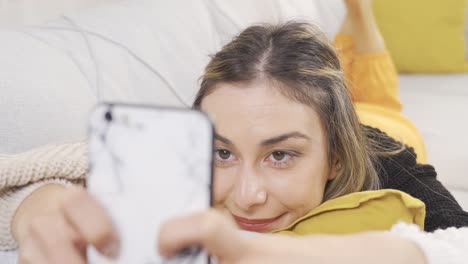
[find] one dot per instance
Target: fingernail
(111, 250)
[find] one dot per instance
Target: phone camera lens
(108, 116)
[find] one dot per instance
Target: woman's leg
(372, 77)
(371, 74)
(361, 25)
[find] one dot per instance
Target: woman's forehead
(257, 94)
(258, 109)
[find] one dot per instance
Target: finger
(30, 253)
(91, 221)
(57, 240)
(217, 234)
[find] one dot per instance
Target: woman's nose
(249, 189)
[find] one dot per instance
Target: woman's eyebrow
(222, 139)
(284, 137)
(266, 142)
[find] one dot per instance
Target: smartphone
(146, 165)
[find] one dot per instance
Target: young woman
(287, 139)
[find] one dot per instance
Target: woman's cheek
(306, 183)
(223, 183)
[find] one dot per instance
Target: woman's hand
(203, 229)
(54, 225)
(220, 237)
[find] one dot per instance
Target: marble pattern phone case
(148, 164)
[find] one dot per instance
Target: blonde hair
(299, 58)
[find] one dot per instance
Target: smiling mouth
(256, 225)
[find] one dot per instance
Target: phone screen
(148, 164)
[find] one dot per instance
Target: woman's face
(271, 162)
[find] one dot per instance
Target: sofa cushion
(424, 35)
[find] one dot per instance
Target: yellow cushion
(424, 35)
(358, 212)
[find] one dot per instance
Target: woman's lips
(256, 225)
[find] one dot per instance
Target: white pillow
(328, 14)
(230, 17)
(48, 76)
(33, 12)
(44, 98)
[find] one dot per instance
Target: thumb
(214, 232)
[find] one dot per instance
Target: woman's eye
(281, 159)
(278, 155)
(223, 155)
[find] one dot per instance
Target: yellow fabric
(373, 83)
(359, 212)
(424, 35)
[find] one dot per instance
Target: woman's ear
(335, 169)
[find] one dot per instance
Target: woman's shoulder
(401, 171)
(395, 162)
